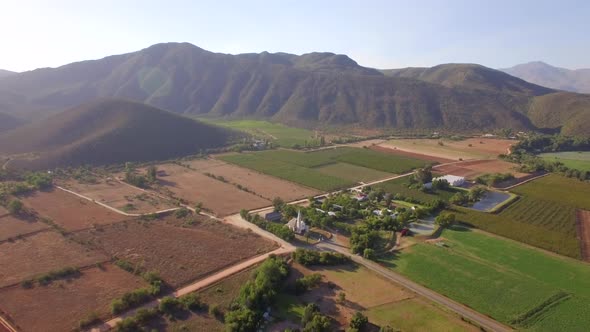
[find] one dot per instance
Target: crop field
(264, 185)
(516, 285)
(70, 211)
(119, 196)
(573, 159)
(43, 252)
(11, 227)
(382, 301)
(290, 172)
(583, 227)
(473, 169)
(558, 189)
(302, 167)
(280, 134)
(179, 254)
(352, 172)
(61, 305)
(481, 148)
(194, 187)
(408, 154)
(400, 186)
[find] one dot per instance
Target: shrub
(192, 302)
(311, 257)
(359, 322)
(15, 207)
(303, 284)
(89, 320)
(181, 213)
(169, 305)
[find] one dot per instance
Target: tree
(445, 219)
(199, 207)
(152, 173)
(341, 297)
(459, 198)
(278, 203)
(15, 207)
(318, 323)
(359, 321)
(369, 253)
(423, 175)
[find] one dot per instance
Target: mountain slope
(8, 122)
(557, 78)
(312, 90)
(109, 131)
(6, 73)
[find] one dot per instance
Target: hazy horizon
(378, 34)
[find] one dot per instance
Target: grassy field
(516, 285)
(351, 165)
(352, 172)
(400, 186)
(577, 160)
(280, 134)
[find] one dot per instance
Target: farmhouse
(297, 225)
(273, 216)
(453, 180)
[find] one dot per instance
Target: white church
(297, 225)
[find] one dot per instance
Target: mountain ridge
(312, 89)
(539, 72)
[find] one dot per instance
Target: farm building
(453, 180)
(297, 225)
(273, 216)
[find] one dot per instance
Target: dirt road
(487, 323)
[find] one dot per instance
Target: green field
(503, 279)
(280, 134)
(576, 160)
(309, 168)
(400, 186)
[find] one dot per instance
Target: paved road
(489, 324)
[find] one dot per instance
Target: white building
(453, 180)
(297, 225)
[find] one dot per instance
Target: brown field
(583, 227)
(11, 227)
(221, 198)
(472, 169)
(264, 185)
(43, 252)
(61, 305)
(393, 150)
(120, 196)
(179, 254)
(70, 211)
(481, 148)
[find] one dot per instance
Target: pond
(490, 200)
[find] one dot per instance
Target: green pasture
(572, 159)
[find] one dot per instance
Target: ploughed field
(179, 252)
(62, 304)
(118, 195)
(517, 285)
(471, 148)
(308, 168)
(473, 169)
(69, 211)
(12, 227)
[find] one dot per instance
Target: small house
(273, 216)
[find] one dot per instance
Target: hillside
(310, 90)
(8, 122)
(554, 77)
(6, 73)
(109, 131)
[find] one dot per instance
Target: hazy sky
(382, 34)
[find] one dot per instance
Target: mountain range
(554, 77)
(311, 90)
(6, 73)
(109, 131)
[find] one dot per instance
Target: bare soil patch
(473, 169)
(264, 185)
(61, 305)
(403, 153)
(69, 211)
(41, 253)
(120, 196)
(194, 187)
(583, 228)
(471, 148)
(11, 227)
(179, 254)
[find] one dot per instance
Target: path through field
(583, 228)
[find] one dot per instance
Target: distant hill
(109, 131)
(8, 122)
(310, 90)
(553, 77)
(6, 73)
